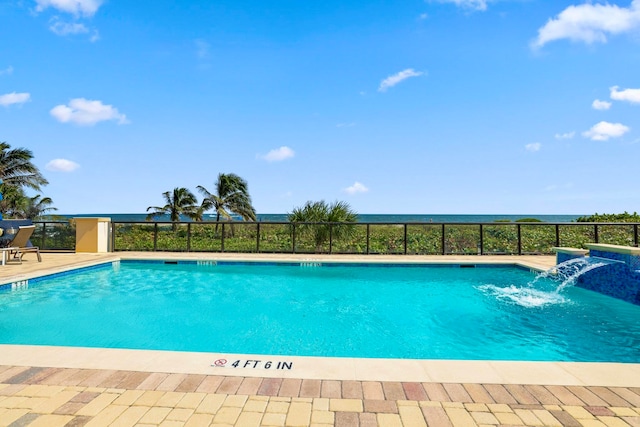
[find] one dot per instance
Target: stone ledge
(570, 251)
(618, 249)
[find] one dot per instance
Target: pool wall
(27, 282)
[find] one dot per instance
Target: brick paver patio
(51, 397)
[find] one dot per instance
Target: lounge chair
(18, 246)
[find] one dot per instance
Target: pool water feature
(548, 286)
(380, 311)
(568, 272)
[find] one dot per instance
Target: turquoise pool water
(421, 312)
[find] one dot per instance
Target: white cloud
(589, 23)
(75, 7)
(630, 95)
(356, 188)
(601, 105)
(14, 98)
(87, 112)
(468, 4)
(7, 71)
(279, 154)
(62, 28)
(61, 165)
(566, 135)
(393, 80)
(533, 147)
(605, 130)
(65, 28)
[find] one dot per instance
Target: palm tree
(34, 207)
(180, 201)
(325, 220)
(16, 169)
(11, 200)
(231, 196)
(16, 172)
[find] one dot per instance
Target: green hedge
(421, 239)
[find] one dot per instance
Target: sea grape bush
(421, 239)
(623, 217)
(375, 238)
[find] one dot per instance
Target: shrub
(623, 217)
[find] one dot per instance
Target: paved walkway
(82, 397)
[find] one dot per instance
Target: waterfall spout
(567, 273)
(537, 293)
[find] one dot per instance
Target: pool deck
(57, 386)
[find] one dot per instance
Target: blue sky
(437, 106)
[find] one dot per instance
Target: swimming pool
(366, 310)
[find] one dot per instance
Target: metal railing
(494, 238)
(54, 236)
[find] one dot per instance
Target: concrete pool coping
(326, 368)
(441, 371)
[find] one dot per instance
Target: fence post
(635, 235)
(222, 239)
(188, 237)
(481, 240)
(557, 235)
(155, 237)
(405, 238)
(258, 238)
(330, 238)
(293, 238)
(113, 237)
(444, 251)
(519, 239)
(42, 245)
(595, 232)
(368, 230)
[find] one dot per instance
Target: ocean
(377, 218)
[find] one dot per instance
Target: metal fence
(54, 236)
(494, 238)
